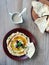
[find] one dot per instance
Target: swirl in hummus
(17, 44)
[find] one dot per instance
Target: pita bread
(44, 10)
(31, 50)
(41, 23)
(40, 8)
(47, 29)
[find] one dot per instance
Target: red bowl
(26, 32)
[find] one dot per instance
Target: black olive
(17, 41)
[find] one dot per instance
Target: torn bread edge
(42, 24)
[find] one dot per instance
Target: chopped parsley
(19, 44)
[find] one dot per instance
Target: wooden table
(42, 52)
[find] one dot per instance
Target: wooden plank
(42, 52)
